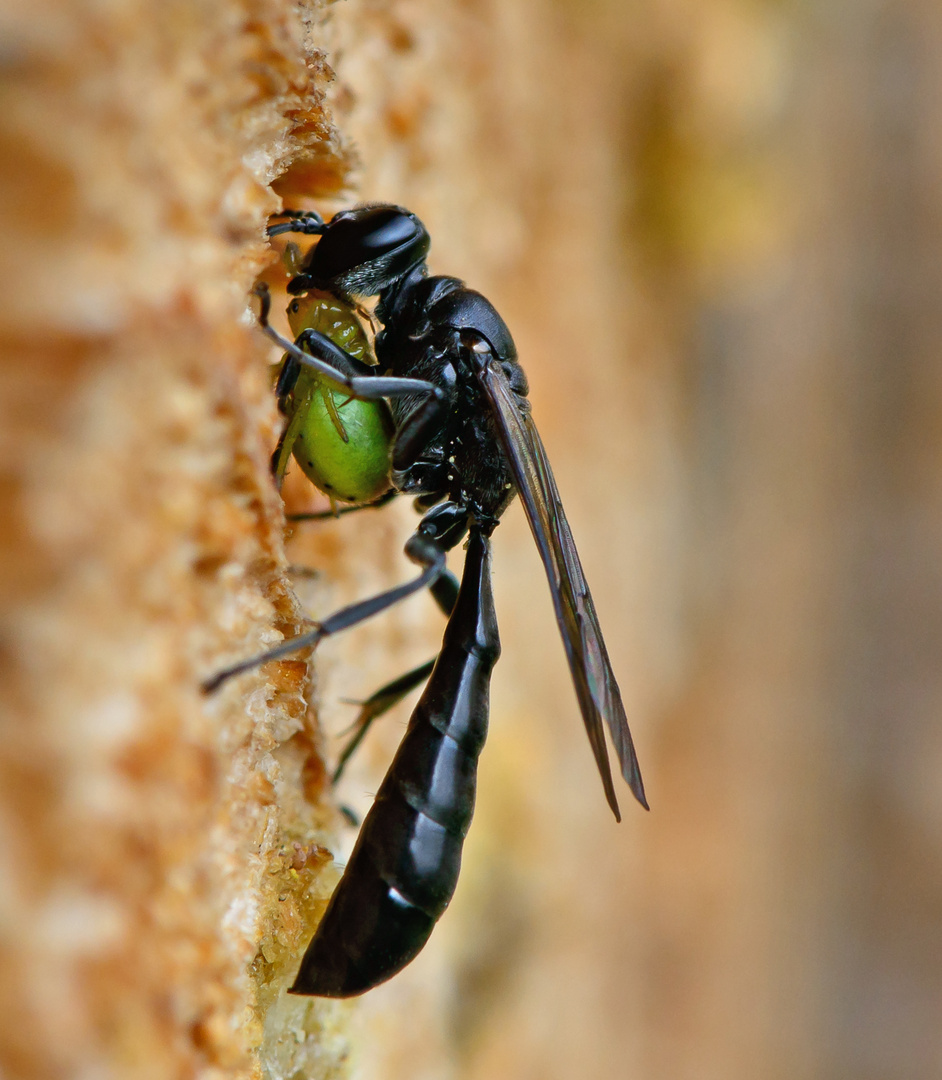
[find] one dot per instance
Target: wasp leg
(445, 592)
(316, 351)
(375, 706)
(328, 359)
(333, 363)
(416, 429)
(440, 529)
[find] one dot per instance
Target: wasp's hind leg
(375, 706)
(441, 528)
(445, 592)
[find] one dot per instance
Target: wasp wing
(592, 675)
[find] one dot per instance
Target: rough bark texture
(714, 229)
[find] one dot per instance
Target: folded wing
(592, 675)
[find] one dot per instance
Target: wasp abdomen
(404, 867)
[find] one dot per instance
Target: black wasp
(461, 439)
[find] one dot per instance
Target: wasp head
(363, 251)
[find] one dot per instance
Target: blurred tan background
(715, 229)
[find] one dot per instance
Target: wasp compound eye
(365, 249)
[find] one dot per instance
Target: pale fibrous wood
(165, 856)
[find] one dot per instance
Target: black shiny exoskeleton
(464, 444)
